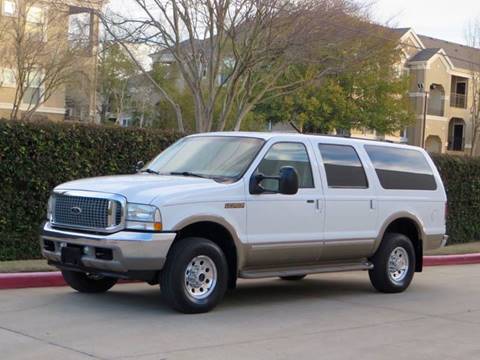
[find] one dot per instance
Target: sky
(444, 19)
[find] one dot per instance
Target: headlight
(50, 205)
(143, 217)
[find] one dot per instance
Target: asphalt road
(329, 316)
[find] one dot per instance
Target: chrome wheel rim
(398, 264)
(200, 277)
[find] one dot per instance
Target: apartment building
(441, 92)
(49, 25)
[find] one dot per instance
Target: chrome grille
(86, 212)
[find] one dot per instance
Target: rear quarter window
(401, 169)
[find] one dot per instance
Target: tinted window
(343, 167)
(286, 154)
(401, 169)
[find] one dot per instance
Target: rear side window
(343, 166)
(401, 169)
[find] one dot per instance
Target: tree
(115, 68)
(232, 54)
(368, 94)
(473, 40)
(38, 51)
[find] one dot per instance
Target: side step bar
(304, 270)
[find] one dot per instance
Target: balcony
(458, 100)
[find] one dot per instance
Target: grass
(41, 265)
(457, 249)
(25, 266)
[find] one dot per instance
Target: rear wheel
(88, 283)
(394, 264)
(195, 276)
(293, 278)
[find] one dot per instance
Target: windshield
(217, 157)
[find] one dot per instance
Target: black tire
(84, 283)
(381, 278)
(293, 277)
(173, 282)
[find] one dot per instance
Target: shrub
(461, 177)
(35, 157)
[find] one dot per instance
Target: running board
(304, 270)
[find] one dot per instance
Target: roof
(327, 138)
(425, 55)
(461, 56)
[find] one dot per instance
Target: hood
(144, 188)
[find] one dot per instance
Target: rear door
(350, 201)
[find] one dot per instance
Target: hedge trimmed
(35, 157)
(461, 178)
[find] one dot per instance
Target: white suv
(218, 206)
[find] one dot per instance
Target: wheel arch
(222, 233)
(409, 225)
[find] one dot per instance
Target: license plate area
(72, 255)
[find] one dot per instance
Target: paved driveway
(329, 316)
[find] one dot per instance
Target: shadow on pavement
(144, 298)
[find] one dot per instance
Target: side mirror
(139, 166)
(288, 181)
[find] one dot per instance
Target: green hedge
(34, 158)
(461, 177)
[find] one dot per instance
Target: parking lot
(328, 316)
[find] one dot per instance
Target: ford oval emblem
(76, 210)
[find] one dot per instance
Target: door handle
(310, 201)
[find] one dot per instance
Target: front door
(285, 229)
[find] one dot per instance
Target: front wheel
(195, 276)
(394, 264)
(88, 283)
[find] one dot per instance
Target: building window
(9, 8)
(343, 167)
(79, 28)
(36, 23)
(458, 97)
(7, 78)
(33, 91)
(35, 15)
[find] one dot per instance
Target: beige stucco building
(53, 22)
(441, 92)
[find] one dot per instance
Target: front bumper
(127, 250)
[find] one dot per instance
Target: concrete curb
(54, 278)
(451, 259)
(26, 280)
(36, 279)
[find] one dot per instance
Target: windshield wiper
(188, 173)
(150, 171)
